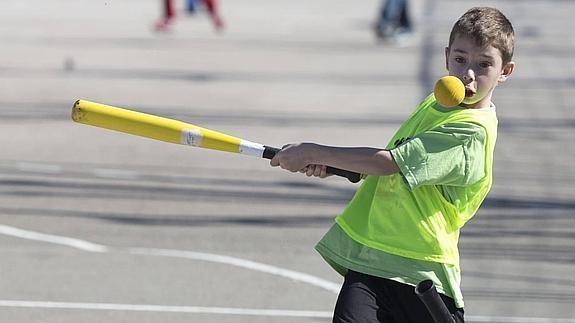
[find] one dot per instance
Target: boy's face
(480, 70)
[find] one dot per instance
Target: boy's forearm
(364, 160)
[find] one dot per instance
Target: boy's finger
(323, 172)
(274, 162)
(310, 170)
(317, 171)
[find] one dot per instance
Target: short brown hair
(486, 26)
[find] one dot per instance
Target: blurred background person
(168, 16)
(168, 13)
(393, 22)
(213, 11)
(191, 6)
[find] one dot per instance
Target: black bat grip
(270, 152)
(426, 291)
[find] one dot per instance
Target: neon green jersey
(397, 215)
(462, 145)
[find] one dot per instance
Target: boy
(402, 225)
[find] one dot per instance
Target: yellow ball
(449, 91)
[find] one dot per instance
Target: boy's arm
(363, 160)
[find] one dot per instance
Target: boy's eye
(460, 59)
(485, 64)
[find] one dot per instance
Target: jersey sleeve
(452, 154)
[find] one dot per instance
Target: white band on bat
(251, 148)
(192, 137)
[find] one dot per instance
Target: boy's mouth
(469, 93)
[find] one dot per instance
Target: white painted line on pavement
(162, 308)
(65, 241)
(514, 319)
(248, 264)
(238, 262)
(233, 261)
(237, 311)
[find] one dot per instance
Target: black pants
(369, 299)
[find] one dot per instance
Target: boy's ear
(506, 72)
(447, 58)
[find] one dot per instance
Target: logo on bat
(192, 137)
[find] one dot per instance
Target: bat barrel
(126, 121)
(159, 128)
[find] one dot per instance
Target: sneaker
(402, 38)
(164, 25)
(217, 22)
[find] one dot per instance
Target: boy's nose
(469, 76)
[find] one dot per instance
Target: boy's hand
(295, 158)
(315, 170)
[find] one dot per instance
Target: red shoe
(217, 22)
(164, 25)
